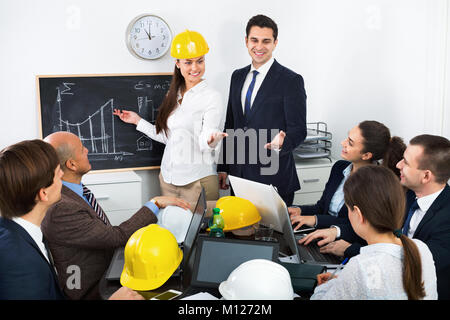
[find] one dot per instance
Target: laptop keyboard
(322, 257)
(313, 250)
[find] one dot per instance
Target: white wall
(361, 59)
(446, 82)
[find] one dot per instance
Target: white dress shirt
(262, 72)
(424, 204)
(187, 156)
(377, 274)
(337, 201)
(35, 233)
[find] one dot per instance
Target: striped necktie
(248, 96)
(94, 204)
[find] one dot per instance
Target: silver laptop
(273, 210)
(117, 262)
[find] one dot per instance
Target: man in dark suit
(80, 236)
(30, 182)
(267, 106)
(425, 170)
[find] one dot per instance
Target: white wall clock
(148, 37)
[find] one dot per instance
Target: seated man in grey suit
(81, 238)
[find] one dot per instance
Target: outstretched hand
(215, 138)
(277, 142)
(127, 116)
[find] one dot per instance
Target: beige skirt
(191, 191)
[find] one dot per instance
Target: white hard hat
(176, 220)
(258, 279)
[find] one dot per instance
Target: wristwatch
(156, 203)
(338, 231)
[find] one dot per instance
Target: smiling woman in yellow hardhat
(190, 122)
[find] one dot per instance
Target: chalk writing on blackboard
(84, 106)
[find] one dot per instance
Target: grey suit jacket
(78, 238)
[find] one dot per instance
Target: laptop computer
(273, 210)
(260, 195)
(216, 258)
(117, 262)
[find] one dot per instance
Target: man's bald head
(69, 147)
(62, 141)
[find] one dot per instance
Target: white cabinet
(118, 193)
(313, 175)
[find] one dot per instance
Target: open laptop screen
(218, 257)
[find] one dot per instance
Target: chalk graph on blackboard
(96, 133)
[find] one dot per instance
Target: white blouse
(187, 155)
(376, 274)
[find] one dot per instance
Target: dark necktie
(411, 211)
(49, 254)
(94, 204)
(248, 96)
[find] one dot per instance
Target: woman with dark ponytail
(190, 121)
(391, 266)
(367, 143)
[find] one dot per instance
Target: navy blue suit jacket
(280, 104)
(434, 231)
(25, 273)
(324, 219)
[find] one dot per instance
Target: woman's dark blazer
(324, 219)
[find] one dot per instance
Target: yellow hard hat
(151, 257)
(237, 212)
(188, 45)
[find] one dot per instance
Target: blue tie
(411, 211)
(248, 96)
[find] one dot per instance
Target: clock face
(148, 37)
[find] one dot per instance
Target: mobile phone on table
(167, 295)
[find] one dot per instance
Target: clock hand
(148, 35)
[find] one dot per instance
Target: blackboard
(83, 105)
